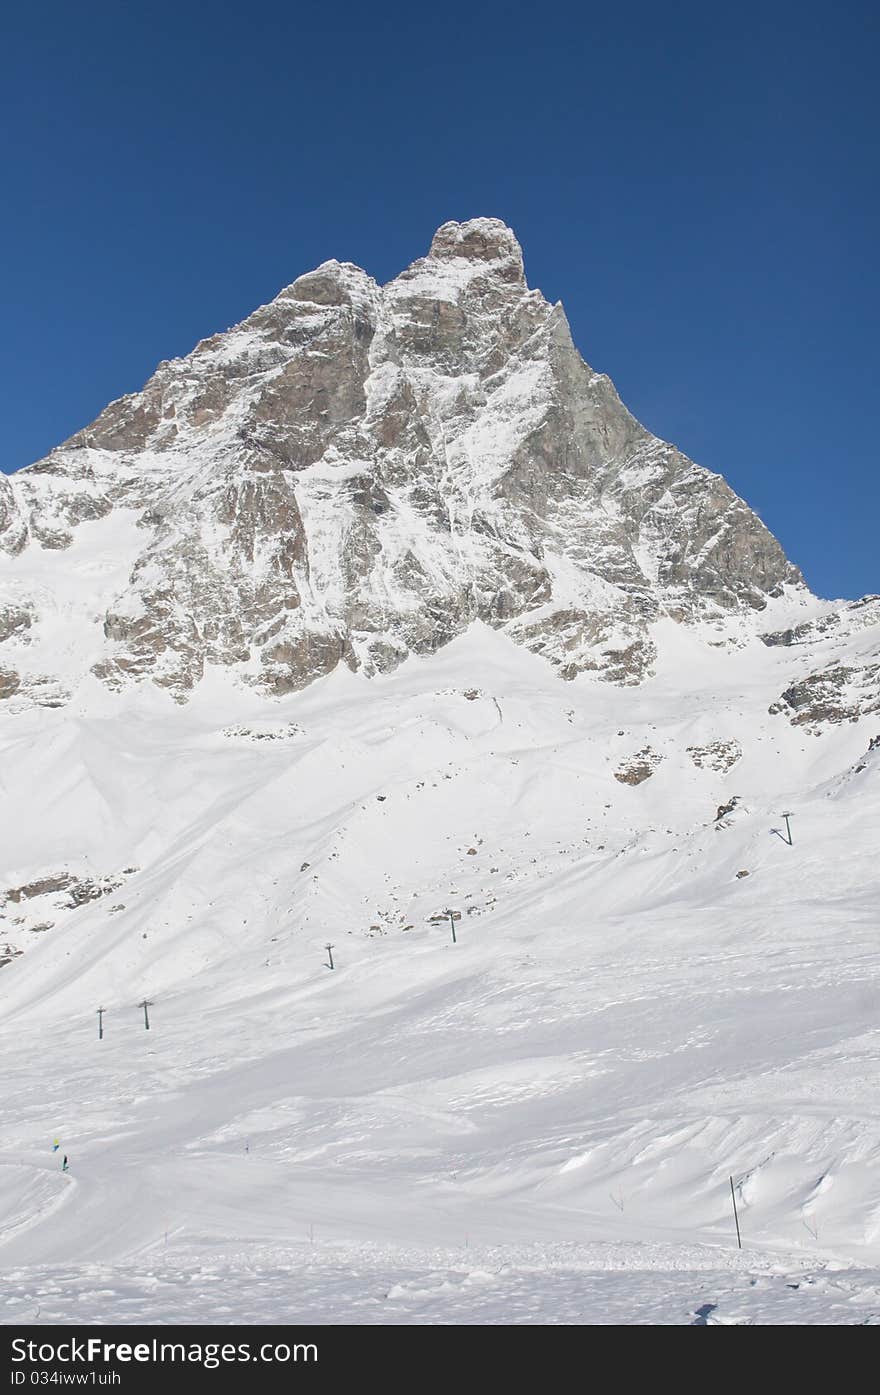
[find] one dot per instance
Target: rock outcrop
(842, 683)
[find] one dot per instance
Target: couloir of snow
(535, 1123)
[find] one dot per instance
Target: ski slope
(536, 1123)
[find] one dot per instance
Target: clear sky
(698, 182)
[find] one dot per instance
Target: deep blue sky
(697, 182)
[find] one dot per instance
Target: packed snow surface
(535, 1123)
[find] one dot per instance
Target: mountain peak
(477, 240)
(331, 283)
(357, 473)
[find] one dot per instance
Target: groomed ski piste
(536, 1123)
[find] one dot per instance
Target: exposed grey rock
(835, 694)
(9, 683)
(716, 755)
(639, 767)
(288, 732)
(42, 886)
(78, 890)
(15, 620)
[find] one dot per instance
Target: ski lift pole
(735, 1216)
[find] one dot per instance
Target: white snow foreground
(536, 1123)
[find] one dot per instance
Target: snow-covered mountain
(355, 474)
(282, 648)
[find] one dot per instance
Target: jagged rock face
(847, 685)
(837, 693)
(13, 527)
(843, 622)
(356, 473)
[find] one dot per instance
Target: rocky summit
(356, 473)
